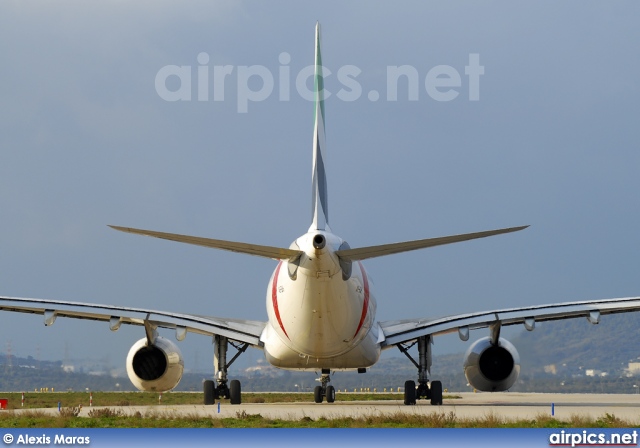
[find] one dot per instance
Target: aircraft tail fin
(319, 199)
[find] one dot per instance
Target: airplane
(321, 310)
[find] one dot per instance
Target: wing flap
(399, 331)
(239, 330)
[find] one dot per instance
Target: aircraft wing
(238, 330)
(400, 331)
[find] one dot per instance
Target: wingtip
(516, 229)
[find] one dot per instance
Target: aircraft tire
(317, 394)
(209, 392)
(409, 393)
(331, 394)
(436, 393)
(235, 393)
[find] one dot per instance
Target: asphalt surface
(470, 405)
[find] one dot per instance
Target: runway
(470, 405)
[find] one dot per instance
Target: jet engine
(156, 367)
(492, 368)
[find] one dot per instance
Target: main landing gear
(320, 392)
(233, 391)
(431, 391)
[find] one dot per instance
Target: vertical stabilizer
(319, 200)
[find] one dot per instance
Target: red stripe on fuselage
(274, 298)
(365, 305)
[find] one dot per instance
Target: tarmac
(469, 405)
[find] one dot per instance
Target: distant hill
(578, 345)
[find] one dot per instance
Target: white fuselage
(317, 319)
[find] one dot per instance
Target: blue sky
(86, 141)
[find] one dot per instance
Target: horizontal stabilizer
(394, 248)
(276, 253)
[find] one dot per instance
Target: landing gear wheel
(409, 392)
(436, 393)
(331, 394)
(317, 394)
(235, 392)
(209, 392)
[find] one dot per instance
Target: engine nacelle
(155, 367)
(492, 368)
